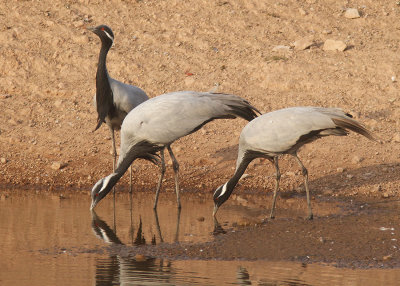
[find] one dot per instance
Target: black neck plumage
(104, 95)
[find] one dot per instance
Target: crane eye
(97, 195)
(102, 28)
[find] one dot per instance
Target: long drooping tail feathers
(345, 121)
(353, 125)
(238, 106)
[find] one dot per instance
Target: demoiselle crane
(156, 123)
(283, 132)
(113, 99)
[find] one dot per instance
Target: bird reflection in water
(117, 269)
(218, 229)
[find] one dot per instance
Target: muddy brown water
(53, 239)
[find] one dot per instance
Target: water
(48, 240)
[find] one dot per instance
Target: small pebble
(302, 12)
(356, 159)
(333, 45)
(352, 13)
(57, 165)
(303, 44)
(281, 48)
(396, 138)
(387, 257)
(140, 257)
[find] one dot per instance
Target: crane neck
(104, 96)
(113, 178)
(143, 149)
(102, 73)
(241, 167)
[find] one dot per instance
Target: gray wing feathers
(165, 118)
(126, 97)
(282, 130)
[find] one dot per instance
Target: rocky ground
(275, 54)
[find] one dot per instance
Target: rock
(302, 12)
(327, 32)
(4, 96)
(201, 218)
(78, 24)
(396, 138)
(58, 165)
(244, 176)
(385, 195)
(340, 170)
(377, 188)
(3, 160)
(387, 257)
(241, 200)
(303, 44)
(140, 257)
(281, 48)
(290, 174)
(290, 201)
(351, 13)
(333, 45)
(356, 159)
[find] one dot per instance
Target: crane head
(101, 189)
(221, 194)
(104, 32)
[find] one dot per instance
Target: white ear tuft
(109, 36)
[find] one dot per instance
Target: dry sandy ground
(48, 65)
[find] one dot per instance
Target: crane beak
(94, 203)
(93, 213)
(92, 29)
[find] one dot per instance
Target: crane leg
(162, 172)
(175, 166)
(305, 175)
(178, 219)
(158, 225)
(114, 155)
(278, 178)
(130, 181)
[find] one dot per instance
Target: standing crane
(283, 132)
(113, 99)
(156, 123)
